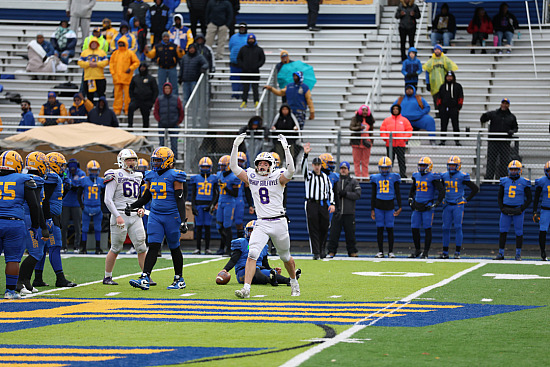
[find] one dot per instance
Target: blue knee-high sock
(97, 235)
(11, 281)
(459, 237)
(446, 240)
(55, 259)
(40, 264)
(84, 235)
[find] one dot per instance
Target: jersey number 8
(264, 195)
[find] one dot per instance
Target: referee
(319, 203)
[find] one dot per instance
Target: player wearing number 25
(514, 196)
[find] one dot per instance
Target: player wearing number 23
(514, 196)
(543, 218)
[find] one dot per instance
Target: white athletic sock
(246, 286)
(108, 275)
(293, 281)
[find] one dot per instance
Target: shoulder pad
(503, 180)
(109, 176)
(180, 175)
(30, 183)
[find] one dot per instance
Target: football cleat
(543, 255)
(298, 273)
(39, 283)
(242, 293)
(10, 160)
(425, 165)
(131, 251)
(141, 283)
(273, 277)
(424, 255)
(457, 256)
(295, 290)
(391, 255)
(11, 294)
(384, 165)
(518, 258)
(454, 164)
(499, 257)
(444, 256)
(208, 252)
(196, 252)
(514, 169)
(24, 291)
(379, 255)
(178, 283)
(62, 283)
(109, 281)
(162, 158)
(415, 254)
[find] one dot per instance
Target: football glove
(516, 211)
(239, 139)
(183, 226)
(283, 141)
(505, 210)
(195, 211)
(411, 203)
(536, 217)
(420, 207)
(128, 210)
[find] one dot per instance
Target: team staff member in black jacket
(143, 93)
(502, 122)
(346, 192)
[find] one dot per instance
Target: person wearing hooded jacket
(407, 12)
(286, 121)
(102, 114)
(362, 124)
(168, 111)
(124, 31)
(80, 107)
(236, 42)
(412, 67)
(401, 130)
(205, 50)
(138, 8)
(192, 65)
(139, 31)
(143, 94)
(250, 59)
(449, 102)
(93, 61)
(64, 40)
(167, 55)
(180, 34)
(417, 110)
(436, 68)
(443, 27)
(159, 20)
(122, 65)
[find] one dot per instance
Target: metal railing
(384, 65)
(267, 106)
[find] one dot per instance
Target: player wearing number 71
(267, 185)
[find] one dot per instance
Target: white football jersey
(127, 188)
(267, 193)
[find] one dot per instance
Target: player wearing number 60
(122, 187)
(267, 185)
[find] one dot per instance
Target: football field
(351, 312)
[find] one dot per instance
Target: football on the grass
(223, 278)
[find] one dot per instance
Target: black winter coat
(191, 67)
(501, 121)
(219, 12)
(144, 88)
(407, 21)
(346, 192)
(251, 58)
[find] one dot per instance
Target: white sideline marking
(514, 276)
(335, 296)
(113, 294)
(187, 294)
(391, 274)
(114, 278)
(300, 358)
(260, 295)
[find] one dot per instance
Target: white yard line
(119, 277)
(300, 358)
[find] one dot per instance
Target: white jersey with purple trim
(127, 189)
(267, 193)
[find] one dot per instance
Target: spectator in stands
(402, 131)
(52, 108)
(124, 31)
(81, 107)
(298, 97)
(93, 61)
(139, 31)
(407, 12)
(197, 9)
(143, 94)
(125, 6)
(108, 31)
(236, 6)
(312, 14)
(180, 34)
(122, 65)
(103, 44)
(80, 13)
(412, 67)
(449, 102)
(346, 193)
(436, 68)
(204, 50)
(257, 140)
(417, 110)
(192, 65)
(47, 46)
(41, 57)
(172, 4)
(64, 42)
(285, 120)
(504, 24)
(503, 125)
(480, 28)
(158, 20)
(362, 125)
(443, 27)
(218, 16)
(27, 118)
(250, 59)
(236, 42)
(101, 114)
(167, 55)
(70, 209)
(168, 111)
(138, 9)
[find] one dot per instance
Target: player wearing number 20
(122, 187)
(267, 186)
(453, 210)
(514, 196)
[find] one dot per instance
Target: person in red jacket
(480, 28)
(401, 130)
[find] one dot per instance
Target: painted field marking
(187, 294)
(335, 296)
(514, 276)
(114, 278)
(391, 274)
(113, 294)
(302, 357)
(486, 300)
(260, 295)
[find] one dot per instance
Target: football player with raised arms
(267, 185)
(122, 187)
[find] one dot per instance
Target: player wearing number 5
(267, 185)
(166, 188)
(89, 195)
(421, 200)
(514, 196)
(122, 187)
(453, 209)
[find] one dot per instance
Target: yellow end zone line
(64, 350)
(33, 364)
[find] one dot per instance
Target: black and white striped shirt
(318, 187)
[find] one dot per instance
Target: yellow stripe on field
(65, 350)
(33, 365)
(56, 358)
(12, 321)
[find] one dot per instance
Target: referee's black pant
(317, 225)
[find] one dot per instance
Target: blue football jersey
(544, 183)
(242, 244)
(204, 187)
(12, 195)
(57, 195)
(514, 190)
(425, 189)
(225, 181)
(333, 177)
(385, 185)
(71, 198)
(162, 190)
(454, 186)
(91, 196)
(40, 185)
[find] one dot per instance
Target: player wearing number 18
(543, 218)
(514, 196)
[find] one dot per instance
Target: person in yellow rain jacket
(437, 67)
(93, 61)
(122, 66)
